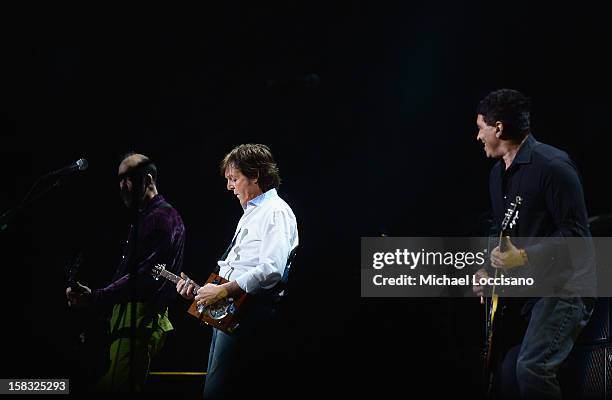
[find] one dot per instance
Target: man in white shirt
(255, 263)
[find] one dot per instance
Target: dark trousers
(243, 362)
(529, 371)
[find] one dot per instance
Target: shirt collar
(257, 201)
(152, 204)
(523, 156)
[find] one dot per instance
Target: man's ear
(148, 180)
(499, 129)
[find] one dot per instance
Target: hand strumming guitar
(210, 294)
(478, 289)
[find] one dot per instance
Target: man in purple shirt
(139, 319)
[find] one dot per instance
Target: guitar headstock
(511, 216)
(157, 270)
(72, 268)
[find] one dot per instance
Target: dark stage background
(370, 112)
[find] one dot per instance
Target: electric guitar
(222, 315)
(88, 331)
(494, 306)
(84, 320)
(72, 268)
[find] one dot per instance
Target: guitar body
(72, 269)
(493, 341)
(89, 335)
(222, 315)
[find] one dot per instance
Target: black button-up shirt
(552, 209)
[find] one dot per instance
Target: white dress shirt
(266, 234)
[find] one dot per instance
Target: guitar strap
(226, 253)
(282, 284)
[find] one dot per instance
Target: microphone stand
(132, 290)
(8, 216)
(133, 294)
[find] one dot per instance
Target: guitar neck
(502, 244)
(175, 278)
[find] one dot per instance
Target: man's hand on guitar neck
(185, 287)
(511, 258)
(78, 297)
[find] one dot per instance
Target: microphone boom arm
(9, 215)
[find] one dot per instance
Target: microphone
(79, 165)
(32, 195)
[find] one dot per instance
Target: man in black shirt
(552, 210)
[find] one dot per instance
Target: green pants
(149, 339)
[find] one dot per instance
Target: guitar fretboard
(174, 278)
(502, 243)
